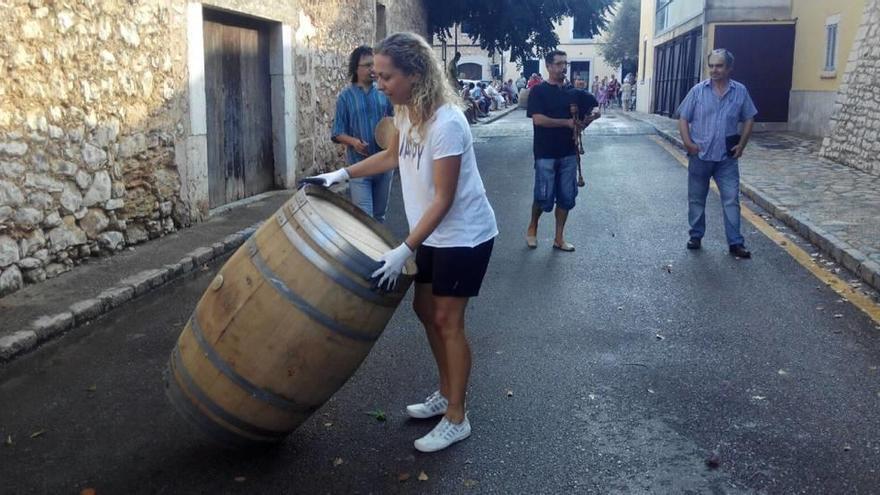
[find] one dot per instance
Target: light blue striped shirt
(357, 113)
(711, 117)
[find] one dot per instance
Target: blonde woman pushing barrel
(452, 226)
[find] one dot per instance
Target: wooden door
(239, 113)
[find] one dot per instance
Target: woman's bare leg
(449, 327)
(423, 304)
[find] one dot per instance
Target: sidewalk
(834, 206)
(43, 311)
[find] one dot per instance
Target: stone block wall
(90, 106)
(855, 123)
(94, 111)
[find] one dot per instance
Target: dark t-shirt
(553, 101)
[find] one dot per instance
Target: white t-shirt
(470, 221)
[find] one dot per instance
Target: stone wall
(855, 124)
(94, 113)
(89, 112)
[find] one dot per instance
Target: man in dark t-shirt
(556, 154)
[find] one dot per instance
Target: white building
(583, 56)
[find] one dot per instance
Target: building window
(381, 23)
(830, 46)
(661, 17)
(581, 30)
(470, 70)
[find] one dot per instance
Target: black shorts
(454, 271)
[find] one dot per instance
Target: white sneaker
(434, 404)
(443, 435)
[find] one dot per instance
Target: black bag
(730, 142)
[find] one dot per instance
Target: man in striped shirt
(359, 108)
(709, 119)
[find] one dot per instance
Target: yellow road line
(838, 285)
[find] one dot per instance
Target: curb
(47, 327)
(498, 115)
(852, 259)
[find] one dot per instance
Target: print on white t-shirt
(470, 220)
(409, 149)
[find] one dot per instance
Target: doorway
(238, 107)
(580, 69)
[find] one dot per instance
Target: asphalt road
(619, 368)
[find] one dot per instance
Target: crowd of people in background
(481, 97)
(612, 93)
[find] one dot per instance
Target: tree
(525, 27)
(621, 46)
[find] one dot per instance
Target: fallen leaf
(847, 448)
(8, 442)
(659, 337)
(713, 461)
(758, 397)
(838, 315)
(783, 243)
(92, 388)
(469, 483)
(592, 396)
(820, 308)
(620, 308)
(88, 491)
(423, 476)
(328, 424)
(240, 479)
(650, 391)
(378, 414)
(782, 372)
(37, 433)
(338, 461)
(402, 477)
(668, 268)
(510, 393)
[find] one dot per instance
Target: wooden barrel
(286, 321)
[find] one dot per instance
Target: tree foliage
(622, 37)
(525, 27)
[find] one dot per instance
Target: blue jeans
(371, 194)
(726, 175)
(556, 182)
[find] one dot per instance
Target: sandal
(566, 246)
(532, 241)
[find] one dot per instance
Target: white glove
(390, 270)
(331, 178)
